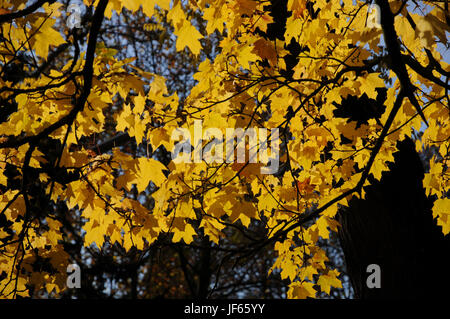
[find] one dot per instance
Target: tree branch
(396, 62)
(315, 213)
(21, 13)
(423, 71)
(117, 140)
(87, 76)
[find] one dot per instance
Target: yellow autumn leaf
(441, 211)
(328, 280)
(301, 290)
(149, 170)
(370, 83)
(187, 234)
(188, 36)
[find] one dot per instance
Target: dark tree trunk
(393, 227)
(205, 270)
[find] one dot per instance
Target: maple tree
(85, 132)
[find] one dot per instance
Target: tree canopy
(92, 115)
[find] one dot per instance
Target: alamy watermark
(374, 16)
(74, 20)
(73, 276)
(374, 279)
(235, 139)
